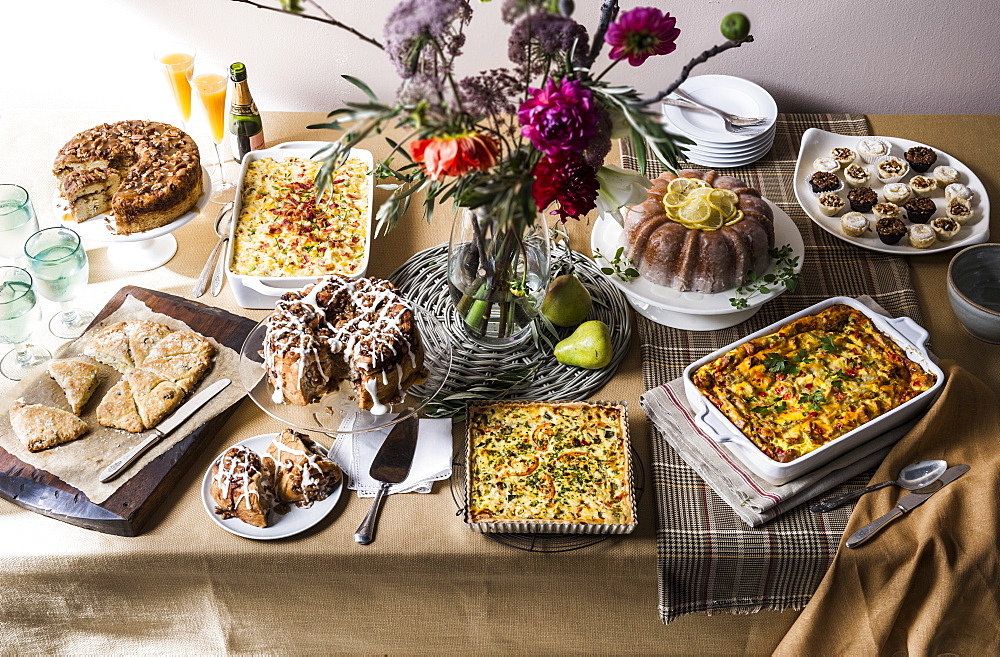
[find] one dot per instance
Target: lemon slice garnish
(697, 206)
(682, 186)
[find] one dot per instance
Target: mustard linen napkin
(929, 583)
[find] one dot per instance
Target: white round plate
(729, 94)
(740, 157)
(296, 521)
(96, 229)
(818, 143)
(736, 149)
(607, 235)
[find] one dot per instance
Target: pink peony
(560, 118)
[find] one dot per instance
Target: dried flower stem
(686, 71)
(326, 18)
(609, 11)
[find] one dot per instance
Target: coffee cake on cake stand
(138, 251)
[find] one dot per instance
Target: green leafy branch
(453, 404)
(620, 265)
(783, 275)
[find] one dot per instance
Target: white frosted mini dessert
(957, 190)
(826, 164)
(854, 224)
(922, 236)
(945, 176)
(898, 193)
(872, 148)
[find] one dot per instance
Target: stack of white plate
(714, 146)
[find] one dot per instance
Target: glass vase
(498, 271)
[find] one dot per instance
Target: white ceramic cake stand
(692, 311)
(139, 251)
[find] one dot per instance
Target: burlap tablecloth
(428, 584)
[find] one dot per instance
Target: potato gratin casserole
(814, 380)
(284, 231)
(549, 463)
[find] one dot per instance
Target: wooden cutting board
(127, 510)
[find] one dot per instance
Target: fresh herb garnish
(828, 345)
(779, 364)
(764, 409)
(813, 401)
(620, 265)
(802, 356)
(783, 274)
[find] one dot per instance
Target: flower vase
(498, 271)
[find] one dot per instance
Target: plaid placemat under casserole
(708, 559)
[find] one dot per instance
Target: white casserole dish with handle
(263, 291)
(906, 333)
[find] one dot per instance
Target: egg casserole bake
(283, 230)
(547, 466)
(812, 381)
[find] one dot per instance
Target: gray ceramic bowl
(974, 290)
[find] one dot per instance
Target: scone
(139, 401)
(124, 345)
(77, 378)
(243, 486)
(41, 427)
(303, 472)
(182, 357)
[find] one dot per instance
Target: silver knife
(908, 503)
(176, 418)
(390, 466)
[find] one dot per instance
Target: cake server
(158, 432)
(908, 503)
(390, 466)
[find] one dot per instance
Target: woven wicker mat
(707, 558)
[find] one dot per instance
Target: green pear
(567, 301)
(588, 347)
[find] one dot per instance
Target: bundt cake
(707, 257)
(340, 330)
(145, 173)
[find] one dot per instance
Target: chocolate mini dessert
(862, 199)
(919, 210)
(921, 158)
(822, 182)
(890, 230)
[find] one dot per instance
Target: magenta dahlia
(641, 33)
(565, 179)
(561, 118)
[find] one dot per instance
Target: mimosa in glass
(210, 81)
(19, 312)
(17, 221)
(59, 262)
(177, 62)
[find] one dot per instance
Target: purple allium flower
(567, 180)
(412, 24)
(492, 94)
(560, 118)
(640, 33)
(539, 38)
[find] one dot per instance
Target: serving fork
(732, 122)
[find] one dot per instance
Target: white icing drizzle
(235, 472)
(311, 474)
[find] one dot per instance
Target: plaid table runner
(707, 558)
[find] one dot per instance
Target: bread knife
(158, 432)
(907, 503)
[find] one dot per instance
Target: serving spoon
(201, 285)
(912, 477)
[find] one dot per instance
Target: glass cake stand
(139, 251)
(338, 412)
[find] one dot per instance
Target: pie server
(390, 466)
(176, 418)
(907, 503)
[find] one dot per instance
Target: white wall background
(915, 57)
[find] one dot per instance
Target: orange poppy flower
(455, 155)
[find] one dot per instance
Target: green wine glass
(19, 312)
(59, 262)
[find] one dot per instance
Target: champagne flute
(177, 62)
(19, 312)
(59, 262)
(17, 220)
(211, 81)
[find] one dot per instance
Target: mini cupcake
(959, 210)
(921, 236)
(891, 169)
(854, 224)
(862, 199)
(844, 156)
(830, 203)
(897, 193)
(919, 210)
(945, 228)
(945, 176)
(822, 182)
(826, 164)
(923, 186)
(957, 190)
(885, 210)
(872, 148)
(921, 158)
(857, 175)
(890, 230)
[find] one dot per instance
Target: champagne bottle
(244, 119)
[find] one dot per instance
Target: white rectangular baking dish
(263, 291)
(909, 335)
